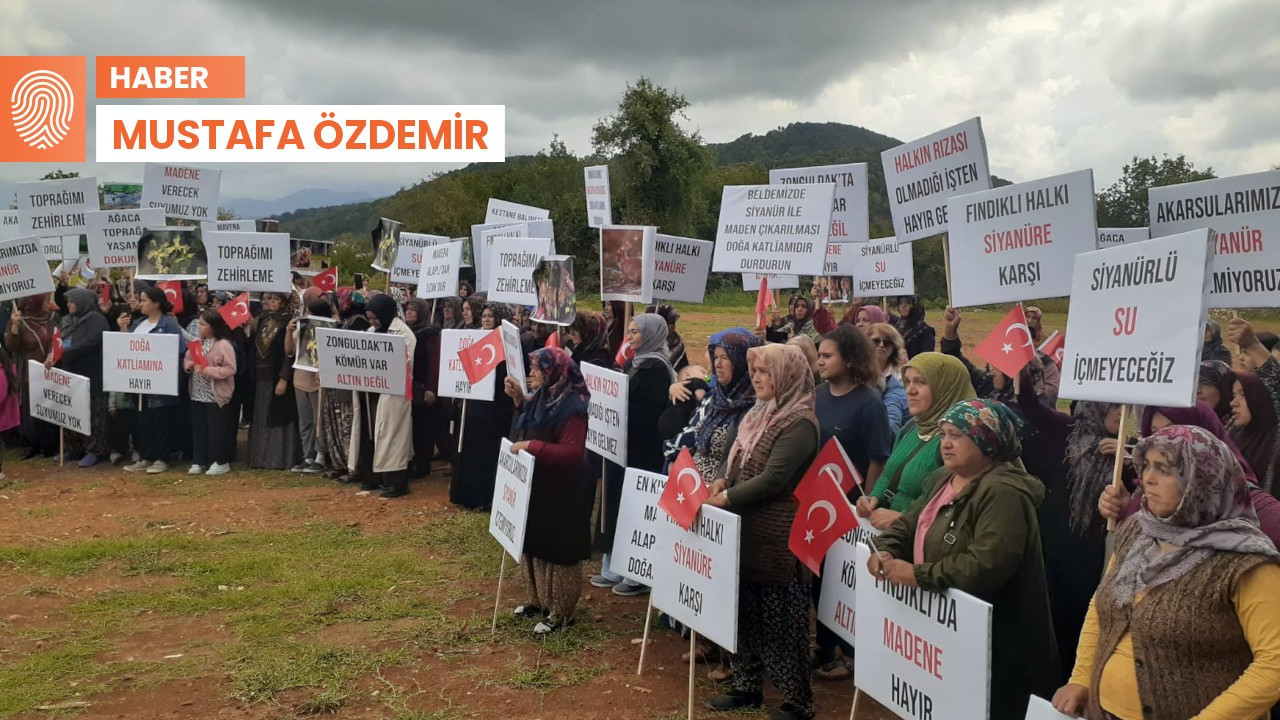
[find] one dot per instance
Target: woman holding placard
(155, 431)
(1185, 622)
(551, 425)
(82, 330)
(274, 442)
(484, 423)
(29, 336)
(337, 413)
(382, 431)
(974, 529)
(776, 442)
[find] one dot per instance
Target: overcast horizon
(1060, 86)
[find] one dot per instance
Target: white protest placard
(482, 237)
(626, 262)
(599, 207)
(143, 363)
(850, 217)
(1136, 326)
(922, 175)
(248, 261)
(60, 248)
(1244, 211)
(635, 539)
(509, 511)
(113, 235)
(923, 654)
(1111, 237)
(363, 361)
(9, 228)
(510, 267)
(680, 268)
(188, 193)
(55, 207)
(513, 351)
(501, 211)
(453, 379)
(59, 397)
(696, 578)
(1014, 242)
(1041, 709)
(883, 267)
(438, 276)
(23, 269)
(228, 226)
(774, 229)
(751, 282)
(409, 256)
(838, 600)
(606, 413)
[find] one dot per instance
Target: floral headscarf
(723, 404)
(949, 382)
(1214, 515)
(563, 393)
(792, 394)
(500, 312)
(991, 425)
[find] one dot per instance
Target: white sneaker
(158, 467)
(137, 466)
(218, 469)
(195, 470)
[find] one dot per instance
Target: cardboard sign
(923, 654)
(1111, 237)
(599, 208)
(514, 354)
(23, 269)
(773, 229)
(230, 226)
(59, 397)
(409, 256)
(113, 235)
(501, 211)
(143, 363)
(482, 237)
(56, 207)
(1136, 326)
(509, 511)
(923, 175)
(840, 574)
(635, 540)
(883, 267)
(182, 192)
(306, 351)
(1041, 709)
(850, 217)
(510, 265)
(172, 253)
(453, 379)
(9, 228)
(626, 262)
(1244, 211)
(696, 576)
(751, 282)
(61, 248)
(249, 261)
(680, 268)
(362, 361)
(438, 276)
(1014, 243)
(606, 413)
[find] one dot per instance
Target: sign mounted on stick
(606, 413)
(696, 578)
(922, 175)
(774, 229)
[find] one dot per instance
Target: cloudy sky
(1060, 85)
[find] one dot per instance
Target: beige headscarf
(792, 394)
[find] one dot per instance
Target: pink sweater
(221, 371)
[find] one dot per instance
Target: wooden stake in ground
(1118, 469)
(462, 424)
(644, 640)
(693, 653)
(62, 452)
(493, 629)
(604, 490)
(853, 711)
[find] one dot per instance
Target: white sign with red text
(599, 207)
(363, 361)
(59, 397)
(883, 267)
(509, 510)
(838, 600)
(453, 379)
(188, 193)
(696, 575)
(113, 235)
(409, 256)
(23, 269)
(144, 363)
(680, 268)
(606, 413)
(922, 175)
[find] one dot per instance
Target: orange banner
(169, 76)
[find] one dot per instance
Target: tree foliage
(1124, 203)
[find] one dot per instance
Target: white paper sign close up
(922, 175)
(774, 229)
(696, 578)
(606, 413)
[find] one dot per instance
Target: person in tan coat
(380, 451)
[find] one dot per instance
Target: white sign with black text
(248, 261)
(362, 361)
(509, 511)
(774, 229)
(607, 413)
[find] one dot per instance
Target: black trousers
(156, 432)
(209, 433)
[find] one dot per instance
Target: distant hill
(806, 142)
(302, 199)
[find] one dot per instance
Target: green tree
(655, 164)
(1124, 204)
(60, 174)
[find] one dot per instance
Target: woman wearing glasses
(891, 355)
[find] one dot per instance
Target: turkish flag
(1009, 348)
(195, 349)
(1054, 346)
(172, 290)
(625, 353)
(553, 340)
(56, 350)
(832, 464)
(236, 311)
(479, 359)
(823, 516)
(685, 491)
(327, 280)
(763, 299)
(104, 292)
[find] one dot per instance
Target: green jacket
(986, 543)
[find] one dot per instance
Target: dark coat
(562, 494)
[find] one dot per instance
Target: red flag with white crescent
(327, 280)
(763, 300)
(236, 311)
(822, 517)
(1054, 346)
(831, 465)
(172, 290)
(480, 358)
(1009, 348)
(685, 491)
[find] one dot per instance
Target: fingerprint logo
(43, 105)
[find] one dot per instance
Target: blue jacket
(895, 402)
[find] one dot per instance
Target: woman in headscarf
(451, 313)
(551, 425)
(381, 436)
(869, 315)
(274, 442)
(430, 415)
(776, 442)
(650, 377)
(1216, 388)
(29, 336)
(1041, 372)
(306, 386)
(1254, 409)
(917, 336)
(890, 357)
(615, 325)
(934, 383)
(1184, 624)
(82, 330)
(156, 427)
(472, 306)
(589, 334)
(974, 529)
(675, 343)
(714, 425)
(337, 413)
(483, 425)
(1213, 348)
(798, 322)
(810, 351)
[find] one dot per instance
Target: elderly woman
(776, 442)
(974, 529)
(1185, 622)
(551, 425)
(382, 432)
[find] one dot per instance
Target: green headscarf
(948, 378)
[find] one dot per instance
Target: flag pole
(946, 263)
(462, 425)
(604, 490)
(62, 453)
(856, 695)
